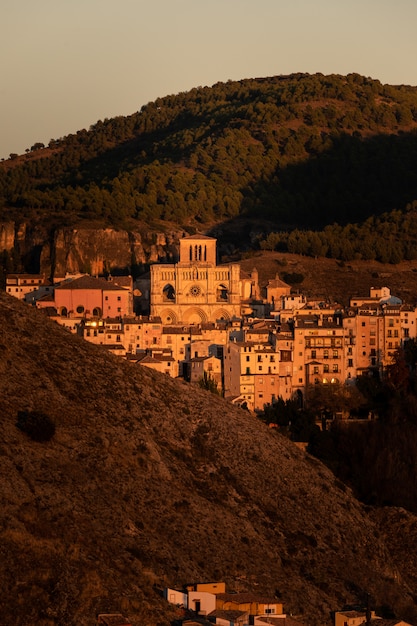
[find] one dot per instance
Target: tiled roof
(89, 282)
(242, 598)
(230, 616)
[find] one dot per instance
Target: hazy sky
(67, 63)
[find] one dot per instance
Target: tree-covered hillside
(296, 152)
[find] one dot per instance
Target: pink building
(87, 296)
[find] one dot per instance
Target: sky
(65, 64)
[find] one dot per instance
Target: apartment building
(28, 287)
(319, 354)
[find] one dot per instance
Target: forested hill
(289, 152)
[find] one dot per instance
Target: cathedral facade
(195, 290)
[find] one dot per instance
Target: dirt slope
(335, 281)
(149, 482)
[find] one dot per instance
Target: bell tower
(198, 249)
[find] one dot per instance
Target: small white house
(174, 596)
(202, 602)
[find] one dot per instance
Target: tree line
(298, 152)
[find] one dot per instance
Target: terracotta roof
(121, 281)
(277, 282)
(89, 282)
(247, 597)
(230, 616)
(275, 620)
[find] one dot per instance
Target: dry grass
(150, 482)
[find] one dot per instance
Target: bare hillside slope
(150, 482)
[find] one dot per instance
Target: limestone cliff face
(7, 236)
(91, 250)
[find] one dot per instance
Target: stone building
(195, 290)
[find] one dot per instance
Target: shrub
(37, 425)
(293, 278)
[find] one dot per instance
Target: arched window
(64, 311)
(97, 312)
(222, 293)
(168, 293)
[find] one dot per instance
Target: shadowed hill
(150, 482)
(300, 150)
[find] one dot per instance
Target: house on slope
(280, 620)
(28, 287)
(250, 603)
(229, 618)
(88, 296)
(176, 596)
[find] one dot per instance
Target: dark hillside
(300, 151)
(149, 482)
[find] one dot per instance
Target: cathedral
(195, 290)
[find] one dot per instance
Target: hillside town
(208, 603)
(200, 320)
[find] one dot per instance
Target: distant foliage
(37, 425)
(209, 384)
(293, 421)
(318, 157)
(293, 278)
(378, 458)
(389, 238)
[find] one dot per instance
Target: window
(350, 362)
(335, 367)
(80, 309)
(248, 358)
(118, 298)
(313, 354)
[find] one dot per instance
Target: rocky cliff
(91, 250)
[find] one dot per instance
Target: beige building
(195, 290)
(319, 351)
(28, 287)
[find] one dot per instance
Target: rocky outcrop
(92, 250)
(7, 236)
